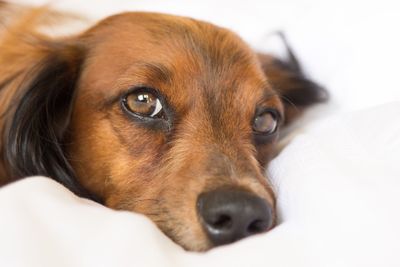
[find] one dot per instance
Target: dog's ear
(42, 74)
(37, 130)
(286, 76)
(36, 134)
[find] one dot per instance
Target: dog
(167, 116)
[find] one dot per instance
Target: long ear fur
(35, 140)
(39, 111)
(287, 77)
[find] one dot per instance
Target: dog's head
(162, 115)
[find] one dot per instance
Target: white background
(352, 47)
(338, 182)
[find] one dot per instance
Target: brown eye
(266, 123)
(144, 103)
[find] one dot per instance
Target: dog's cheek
(166, 195)
(112, 157)
(132, 177)
(90, 153)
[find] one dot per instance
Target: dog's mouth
(214, 217)
(228, 215)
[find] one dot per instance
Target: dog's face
(168, 109)
(173, 118)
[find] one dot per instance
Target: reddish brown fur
(149, 172)
(210, 77)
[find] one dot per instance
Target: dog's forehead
(174, 54)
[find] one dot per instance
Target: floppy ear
(288, 79)
(37, 133)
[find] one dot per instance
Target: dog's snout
(230, 215)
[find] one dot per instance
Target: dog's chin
(191, 243)
(189, 235)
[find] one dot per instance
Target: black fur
(304, 92)
(297, 88)
(35, 141)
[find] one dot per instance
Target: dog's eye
(144, 103)
(266, 122)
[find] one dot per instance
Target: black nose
(229, 215)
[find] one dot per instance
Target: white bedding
(338, 182)
(338, 193)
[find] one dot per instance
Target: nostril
(222, 221)
(257, 226)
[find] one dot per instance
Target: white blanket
(338, 182)
(338, 192)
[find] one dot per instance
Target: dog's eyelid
(260, 109)
(164, 100)
(110, 101)
(271, 101)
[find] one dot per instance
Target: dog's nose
(229, 215)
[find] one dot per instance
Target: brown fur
(211, 79)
